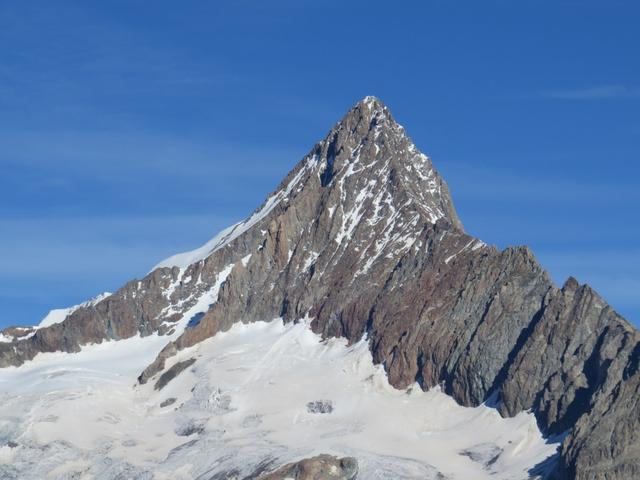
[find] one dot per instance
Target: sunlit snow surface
(244, 401)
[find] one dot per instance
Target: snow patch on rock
(59, 314)
(229, 234)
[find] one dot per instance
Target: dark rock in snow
(167, 402)
(320, 406)
(172, 373)
(485, 453)
(322, 467)
(190, 428)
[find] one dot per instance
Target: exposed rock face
(167, 402)
(362, 237)
(172, 373)
(141, 307)
(322, 467)
(16, 332)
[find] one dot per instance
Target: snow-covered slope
(254, 393)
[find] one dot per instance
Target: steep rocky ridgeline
(363, 238)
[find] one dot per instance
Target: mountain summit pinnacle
(370, 107)
(371, 145)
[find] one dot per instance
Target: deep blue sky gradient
(132, 130)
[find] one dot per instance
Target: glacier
(243, 402)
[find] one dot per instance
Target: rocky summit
(362, 240)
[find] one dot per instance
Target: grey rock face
(322, 467)
(167, 402)
(141, 307)
(172, 373)
(362, 236)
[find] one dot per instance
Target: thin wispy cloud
(594, 93)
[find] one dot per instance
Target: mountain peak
(371, 104)
(369, 143)
(366, 164)
(370, 99)
(370, 111)
(359, 241)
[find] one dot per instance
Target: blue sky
(131, 130)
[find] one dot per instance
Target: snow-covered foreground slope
(254, 394)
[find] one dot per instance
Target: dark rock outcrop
(168, 402)
(172, 373)
(320, 406)
(141, 307)
(322, 467)
(362, 236)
